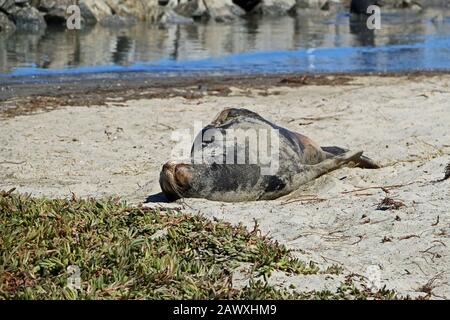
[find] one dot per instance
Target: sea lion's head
(174, 179)
(230, 114)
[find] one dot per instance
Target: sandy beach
(117, 148)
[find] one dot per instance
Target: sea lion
(228, 162)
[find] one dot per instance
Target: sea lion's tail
(363, 162)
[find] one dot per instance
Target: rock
(29, 19)
(171, 17)
(275, 7)
(116, 21)
(409, 4)
(8, 6)
(190, 9)
(113, 13)
(317, 4)
(46, 5)
(6, 25)
(98, 8)
(149, 10)
(21, 2)
(360, 6)
(405, 4)
(87, 17)
(218, 10)
(119, 8)
(223, 10)
(54, 11)
(160, 11)
(268, 7)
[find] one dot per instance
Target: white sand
(404, 124)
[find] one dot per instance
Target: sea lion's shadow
(157, 197)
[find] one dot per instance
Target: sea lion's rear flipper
(363, 162)
(311, 172)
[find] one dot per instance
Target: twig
(326, 260)
(420, 268)
(429, 286)
(436, 223)
(439, 241)
(7, 193)
(12, 162)
(334, 117)
(360, 239)
(409, 237)
(305, 200)
(394, 186)
(166, 126)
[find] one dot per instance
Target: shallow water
(319, 42)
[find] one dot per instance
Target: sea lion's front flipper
(364, 162)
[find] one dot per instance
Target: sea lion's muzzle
(174, 179)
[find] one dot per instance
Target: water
(334, 42)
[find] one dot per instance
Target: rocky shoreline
(36, 15)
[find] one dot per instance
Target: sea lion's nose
(169, 166)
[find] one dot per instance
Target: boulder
(29, 19)
(317, 4)
(275, 7)
(222, 10)
(5, 4)
(6, 25)
(87, 17)
(8, 6)
(171, 17)
(98, 8)
(119, 8)
(193, 9)
(218, 10)
(409, 4)
(159, 11)
(122, 15)
(360, 6)
(118, 21)
(54, 11)
(149, 10)
(21, 3)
